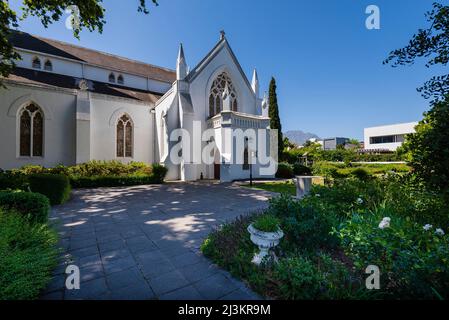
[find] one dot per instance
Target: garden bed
(336, 232)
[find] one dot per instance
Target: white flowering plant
(414, 258)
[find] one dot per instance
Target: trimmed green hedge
(112, 181)
(33, 206)
(87, 175)
(342, 170)
(56, 187)
(13, 180)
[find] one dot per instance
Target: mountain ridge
(300, 137)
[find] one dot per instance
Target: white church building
(65, 104)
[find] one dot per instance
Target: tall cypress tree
(273, 112)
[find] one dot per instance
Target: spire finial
(255, 83)
(222, 34)
(181, 66)
(181, 53)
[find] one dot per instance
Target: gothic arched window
(111, 78)
(120, 79)
(216, 94)
(31, 131)
(124, 137)
(36, 63)
(48, 66)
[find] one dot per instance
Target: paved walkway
(143, 242)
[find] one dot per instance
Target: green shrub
(31, 169)
(33, 206)
(301, 170)
(285, 171)
(96, 168)
(413, 260)
(341, 170)
(284, 206)
(13, 180)
(267, 223)
(315, 153)
(234, 239)
(27, 257)
(361, 174)
(305, 227)
(56, 187)
(87, 175)
(159, 172)
(112, 181)
(298, 278)
(60, 169)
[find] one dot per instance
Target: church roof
(27, 41)
(53, 80)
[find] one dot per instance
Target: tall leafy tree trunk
(273, 112)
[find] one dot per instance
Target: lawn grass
(287, 187)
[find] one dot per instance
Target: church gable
(220, 59)
(208, 79)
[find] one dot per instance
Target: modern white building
(64, 104)
(388, 137)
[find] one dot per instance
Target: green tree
(289, 144)
(91, 17)
(428, 148)
(433, 44)
(273, 112)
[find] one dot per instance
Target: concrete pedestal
(304, 184)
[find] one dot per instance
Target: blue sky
(328, 66)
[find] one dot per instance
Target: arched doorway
(217, 165)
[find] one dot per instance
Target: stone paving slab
(143, 242)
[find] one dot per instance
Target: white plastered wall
(105, 112)
(59, 126)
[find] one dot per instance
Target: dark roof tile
(61, 49)
(46, 79)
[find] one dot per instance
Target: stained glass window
(216, 93)
(25, 134)
(211, 104)
(38, 130)
(31, 132)
(120, 139)
(128, 140)
(124, 137)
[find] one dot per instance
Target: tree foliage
(428, 148)
(273, 112)
(433, 44)
(91, 17)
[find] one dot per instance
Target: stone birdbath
(264, 240)
(304, 184)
